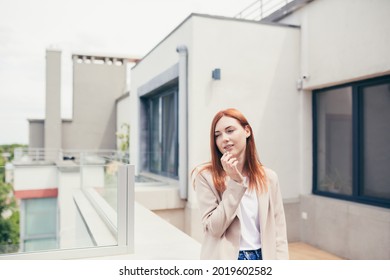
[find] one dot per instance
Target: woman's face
(231, 137)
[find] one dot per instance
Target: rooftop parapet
(98, 59)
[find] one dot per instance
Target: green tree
(124, 136)
(9, 220)
(9, 211)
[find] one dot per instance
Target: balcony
(96, 214)
(270, 10)
(102, 211)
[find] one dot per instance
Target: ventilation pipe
(183, 121)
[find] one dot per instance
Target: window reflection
(334, 130)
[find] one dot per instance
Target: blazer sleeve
(217, 214)
(280, 222)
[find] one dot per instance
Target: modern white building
(315, 86)
(99, 84)
(66, 157)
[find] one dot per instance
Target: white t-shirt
(250, 221)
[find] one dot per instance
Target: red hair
(252, 166)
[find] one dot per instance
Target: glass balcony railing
(66, 210)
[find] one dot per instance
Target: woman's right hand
(229, 164)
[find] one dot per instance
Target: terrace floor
(303, 251)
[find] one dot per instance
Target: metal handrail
(80, 156)
(260, 9)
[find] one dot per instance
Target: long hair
(252, 165)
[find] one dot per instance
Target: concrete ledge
(161, 193)
(155, 239)
(159, 197)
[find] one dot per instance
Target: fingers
(229, 163)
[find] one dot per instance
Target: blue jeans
(250, 255)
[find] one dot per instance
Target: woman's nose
(225, 137)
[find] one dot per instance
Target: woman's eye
(230, 130)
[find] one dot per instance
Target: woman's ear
(247, 131)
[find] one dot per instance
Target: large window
(352, 141)
(162, 133)
(39, 231)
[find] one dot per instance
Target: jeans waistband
(250, 254)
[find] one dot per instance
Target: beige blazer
(221, 218)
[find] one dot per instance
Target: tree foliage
(9, 212)
(9, 220)
(124, 136)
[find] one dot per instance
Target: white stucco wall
(259, 67)
(96, 86)
(341, 41)
(36, 134)
(344, 41)
(35, 177)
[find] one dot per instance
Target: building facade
(99, 83)
(303, 82)
(67, 156)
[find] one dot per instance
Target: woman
(239, 199)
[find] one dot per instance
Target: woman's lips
(228, 148)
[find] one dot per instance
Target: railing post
(130, 207)
(125, 193)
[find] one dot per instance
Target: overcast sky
(108, 27)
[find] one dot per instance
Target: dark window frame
(357, 144)
(170, 88)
